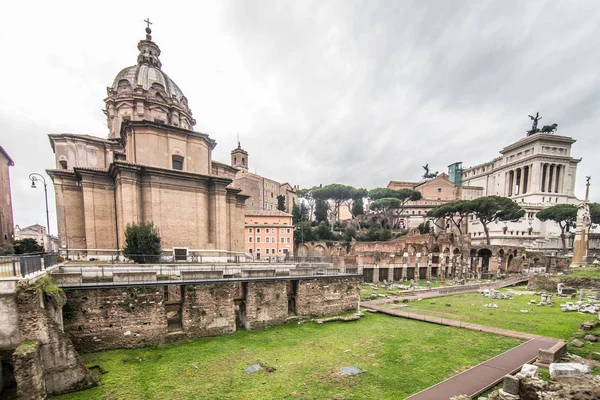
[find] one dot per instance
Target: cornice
(538, 137)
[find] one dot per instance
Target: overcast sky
(348, 92)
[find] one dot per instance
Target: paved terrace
(480, 378)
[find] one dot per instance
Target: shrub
(142, 243)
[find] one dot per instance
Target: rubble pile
(581, 307)
(494, 294)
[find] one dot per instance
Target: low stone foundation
(112, 318)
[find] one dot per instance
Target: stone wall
(29, 371)
(102, 319)
(112, 318)
(327, 296)
(63, 369)
(10, 336)
(266, 304)
(208, 309)
(541, 282)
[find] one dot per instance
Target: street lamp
(34, 178)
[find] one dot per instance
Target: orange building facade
(269, 235)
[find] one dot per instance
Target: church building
(152, 167)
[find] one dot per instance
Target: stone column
(543, 166)
(549, 176)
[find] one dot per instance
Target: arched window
(178, 163)
(63, 164)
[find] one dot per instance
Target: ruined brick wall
(29, 371)
(327, 296)
(64, 370)
(540, 282)
(111, 318)
(208, 309)
(266, 304)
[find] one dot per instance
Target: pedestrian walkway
(487, 374)
(478, 379)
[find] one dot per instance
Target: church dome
(145, 92)
(144, 76)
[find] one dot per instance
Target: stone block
(529, 370)
(577, 343)
(201, 275)
(126, 277)
(591, 338)
(507, 396)
(301, 272)
(548, 356)
(511, 384)
(66, 278)
(568, 370)
(258, 273)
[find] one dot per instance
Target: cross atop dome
(149, 51)
(148, 30)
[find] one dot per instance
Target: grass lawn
(366, 289)
(541, 320)
(591, 271)
(401, 357)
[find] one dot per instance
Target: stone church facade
(152, 167)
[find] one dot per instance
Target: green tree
(389, 202)
(323, 231)
(358, 208)
(307, 196)
(304, 233)
(27, 245)
(494, 208)
(354, 202)
(337, 194)
(565, 215)
(281, 203)
(455, 212)
(299, 213)
(142, 242)
(321, 210)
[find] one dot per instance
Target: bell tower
(239, 158)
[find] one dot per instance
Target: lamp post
(35, 177)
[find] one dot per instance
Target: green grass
(366, 290)
(541, 320)
(401, 357)
(590, 271)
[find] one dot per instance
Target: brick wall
(328, 296)
(208, 309)
(266, 304)
(101, 319)
(62, 368)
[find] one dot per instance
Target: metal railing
(27, 264)
(201, 258)
(116, 275)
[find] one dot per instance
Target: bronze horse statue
(550, 128)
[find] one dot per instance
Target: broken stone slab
(568, 370)
(511, 384)
(354, 317)
(352, 370)
(253, 368)
(507, 396)
(529, 370)
(577, 343)
(591, 338)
